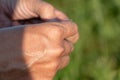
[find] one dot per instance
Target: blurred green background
(97, 53)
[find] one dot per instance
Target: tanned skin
(53, 41)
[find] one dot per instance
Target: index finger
(70, 29)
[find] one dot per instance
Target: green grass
(97, 53)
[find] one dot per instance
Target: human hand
(45, 47)
(54, 41)
(19, 12)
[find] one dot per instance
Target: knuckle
(71, 26)
(60, 51)
(74, 38)
(56, 31)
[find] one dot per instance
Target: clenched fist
(52, 46)
(45, 46)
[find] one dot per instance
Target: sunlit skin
(53, 41)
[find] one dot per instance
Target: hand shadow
(10, 49)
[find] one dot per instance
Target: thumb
(47, 12)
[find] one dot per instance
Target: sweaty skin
(53, 41)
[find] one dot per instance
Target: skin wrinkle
(30, 13)
(36, 57)
(18, 10)
(24, 9)
(43, 63)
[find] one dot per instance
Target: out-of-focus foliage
(97, 53)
